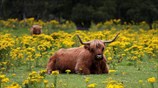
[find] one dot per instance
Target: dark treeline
(81, 12)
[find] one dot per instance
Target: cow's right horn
(83, 43)
(109, 41)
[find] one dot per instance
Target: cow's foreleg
(104, 66)
(82, 69)
(106, 70)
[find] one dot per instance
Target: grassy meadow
(132, 58)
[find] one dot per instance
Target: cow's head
(36, 29)
(96, 46)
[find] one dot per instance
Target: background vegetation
(132, 58)
(82, 12)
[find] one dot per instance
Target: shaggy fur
(36, 29)
(81, 60)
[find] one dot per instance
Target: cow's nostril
(99, 57)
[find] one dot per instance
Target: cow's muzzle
(99, 57)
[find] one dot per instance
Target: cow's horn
(109, 41)
(83, 43)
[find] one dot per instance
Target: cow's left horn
(109, 41)
(83, 43)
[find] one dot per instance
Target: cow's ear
(87, 47)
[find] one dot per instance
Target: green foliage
(132, 58)
(128, 75)
(82, 12)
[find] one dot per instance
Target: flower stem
(55, 81)
(152, 85)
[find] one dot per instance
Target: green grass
(128, 75)
(15, 32)
(26, 31)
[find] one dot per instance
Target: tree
(80, 11)
(84, 13)
(138, 10)
(82, 17)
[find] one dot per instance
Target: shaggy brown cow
(84, 60)
(36, 29)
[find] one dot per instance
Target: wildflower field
(132, 58)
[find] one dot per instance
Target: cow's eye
(102, 49)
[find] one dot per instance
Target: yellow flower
(140, 81)
(41, 47)
(54, 22)
(3, 69)
(109, 58)
(20, 55)
(37, 55)
(25, 82)
(114, 84)
(91, 85)
(45, 81)
(152, 80)
(33, 73)
(43, 72)
(86, 79)
(14, 85)
(134, 58)
(112, 71)
(13, 74)
(68, 71)
(52, 85)
(55, 72)
(5, 80)
(4, 63)
(2, 76)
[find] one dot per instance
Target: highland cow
(36, 29)
(83, 60)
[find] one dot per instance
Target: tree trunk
(150, 25)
